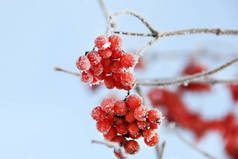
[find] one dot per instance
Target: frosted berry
(106, 63)
(132, 147)
(94, 57)
(104, 126)
(115, 41)
(83, 63)
(101, 42)
(107, 104)
(105, 53)
(116, 67)
(116, 52)
(122, 129)
(127, 79)
(154, 116)
(110, 134)
(133, 101)
(120, 108)
(109, 82)
(96, 70)
(133, 129)
(127, 60)
(152, 139)
(135, 136)
(154, 126)
(98, 114)
(118, 121)
(143, 125)
(86, 77)
(130, 117)
(140, 113)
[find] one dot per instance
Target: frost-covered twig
(191, 78)
(66, 71)
(216, 31)
(113, 145)
(104, 8)
(160, 150)
(189, 143)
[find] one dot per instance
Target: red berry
(101, 42)
(86, 77)
(127, 79)
(127, 60)
(136, 136)
(118, 121)
(116, 52)
(110, 134)
(151, 139)
(106, 63)
(83, 63)
(143, 125)
(132, 147)
(234, 91)
(107, 104)
(133, 101)
(96, 70)
(94, 57)
(133, 129)
(98, 113)
(105, 53)
(104, 126)
(115, 41)
(109, 82)
(154, 116)
(116, 67)
(110, 115)
(153, 126)
(130, 117)
(140, 113)
(120, 108)
(120, 139)
(122, 129)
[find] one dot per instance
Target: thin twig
(162, 82)
(190, 144)
(66, 71)
(191, 78)
(104, 8)
(113, 145)
(216, 31)
(162, 150)
(157, 150)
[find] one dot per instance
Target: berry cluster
(194, 67)
(108, 63)
(177, 111)
(123, 121)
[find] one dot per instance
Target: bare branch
(113, 145)
(191, 78)
(162, 150)
(104, 8)
(66, 71)
(160, 82)
(216, 31)
(190, 144)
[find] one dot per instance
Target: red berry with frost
(94, 57)
(133, 129)
(83, 63)
(107, 53)
(122, 129)
(130, 117)
(110, 116)
(140, 113)
(109, 82)
(118, 121)
(116, 52)
(154, 126)
(104, 126)
(127, 60)
(143, 125)
(120, 108)
(132, 147)
(136, 136)
(98, 114)
(115, 41)
(106, 63)
(101, 42)
(110, 134)
(133, 101)
(151, 138)
(127, 79)
(86, 77)
(101, 76)
(107, 104)
(154, 116)
(96, 70)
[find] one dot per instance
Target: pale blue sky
(46, 114)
